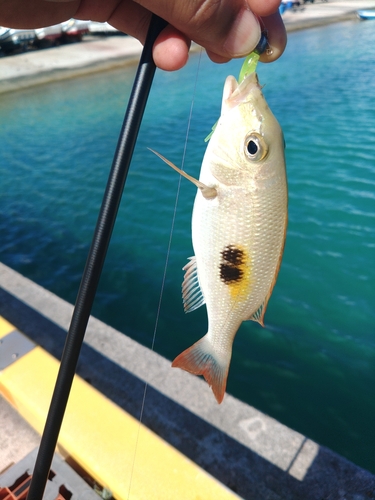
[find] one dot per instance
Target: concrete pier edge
(249, 452)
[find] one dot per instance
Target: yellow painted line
(112, 446)
(5, 327)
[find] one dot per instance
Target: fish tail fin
(201, 359)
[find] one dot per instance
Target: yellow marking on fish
(235, 271)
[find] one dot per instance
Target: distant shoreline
(92, 55)
(95, 55)
(55, 75)
(318, 22)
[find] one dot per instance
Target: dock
(233, 450)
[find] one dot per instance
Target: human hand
(225, 28)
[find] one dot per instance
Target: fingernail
(244, 35)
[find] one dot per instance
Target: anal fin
(258, 315)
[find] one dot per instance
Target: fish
(239, 226)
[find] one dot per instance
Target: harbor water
(313, 365)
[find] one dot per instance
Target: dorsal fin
(192, 296)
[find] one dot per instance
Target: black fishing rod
(95, 260)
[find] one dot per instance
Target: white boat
(48, 36)
(68, 31)
(15, 39)
(74, 29)
(366, 14)
(49, 32)
(102, 29)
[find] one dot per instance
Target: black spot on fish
(233, 255)
(230, 274)
(230, 267)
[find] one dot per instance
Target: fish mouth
(235, 93)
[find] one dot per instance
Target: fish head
(247, 145)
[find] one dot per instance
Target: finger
(217, 58)
(211, 27)
(35, 13)
(243, 36)
(263, 8)
(276, 35)
(227, 27)
(171, 49)
(125, 15)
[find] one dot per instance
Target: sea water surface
(312, 366)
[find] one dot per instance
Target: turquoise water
(312, 367)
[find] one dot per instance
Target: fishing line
(176, 203)
(166, 262)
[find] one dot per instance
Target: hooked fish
(238, 227)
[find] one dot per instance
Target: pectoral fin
(192, 295)
(208, 192)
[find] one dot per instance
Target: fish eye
(252, 148)
(255, 147)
